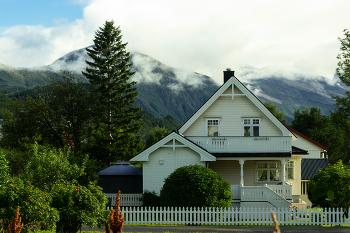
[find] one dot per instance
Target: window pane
(274, 165)
(262, 175)
(213, 122)
(213, 131)
(255, 121)
(274, 175)
(246, 131)
(262, 165)
(256, 131)
(290, 163)
(290, 173)
(247, 121)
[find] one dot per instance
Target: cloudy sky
(288, 38)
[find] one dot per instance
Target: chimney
(228, 74)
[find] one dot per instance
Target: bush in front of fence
(33, 203)
(195, 186)
(150, 199)
(333, 179)
(79, 205)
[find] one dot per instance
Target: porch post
(241, 162)
(283, 161)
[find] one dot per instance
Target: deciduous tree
(155, 135)
(322, 129)
(275, 111)
(61, 112)
(331, 180)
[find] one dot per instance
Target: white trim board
(235, 82)
(144, 155)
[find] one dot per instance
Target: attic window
(251, 127)
(213, 127)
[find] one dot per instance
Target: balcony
(244, 144)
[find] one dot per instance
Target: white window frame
(206, 125)
(290, 165)
(268, 169)
(251, 124)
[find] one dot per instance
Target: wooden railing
(244, 144)
(126, 199)
(264, 194)
(236, 192)
(284, 191)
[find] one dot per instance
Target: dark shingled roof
(121, 169)
(299, 151)
(310, 167)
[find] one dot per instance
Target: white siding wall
(154, 173)
(231, 114)
(230, 170)
(314, 151)
(296, 182)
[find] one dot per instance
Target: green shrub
(330, 187)
(79, 205)
(150, 199)
(34, 205)
(4, 169)
(195, 186)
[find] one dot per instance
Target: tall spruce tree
(116, 136)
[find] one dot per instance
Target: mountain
(299, 93)
(164, 90)
(21, 78)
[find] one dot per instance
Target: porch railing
(283, 190)
(244, 144)
(264, 194)
(126, 199)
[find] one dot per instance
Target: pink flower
(31, 186)
(77, 190)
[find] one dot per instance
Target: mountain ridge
(164, 90)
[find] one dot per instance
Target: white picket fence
(233, 216)
(133, 199)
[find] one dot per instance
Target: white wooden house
(235, 135)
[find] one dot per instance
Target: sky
(254, 38)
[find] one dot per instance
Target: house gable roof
(234, 81)
(204, 155)
(299, 151)
(306, 138)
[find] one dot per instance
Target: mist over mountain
(164, 90)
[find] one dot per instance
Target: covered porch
(256, 181)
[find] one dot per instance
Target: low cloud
(279, 38)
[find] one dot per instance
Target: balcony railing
(244, 144)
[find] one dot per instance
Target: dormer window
(251, 127)
(213, 127)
